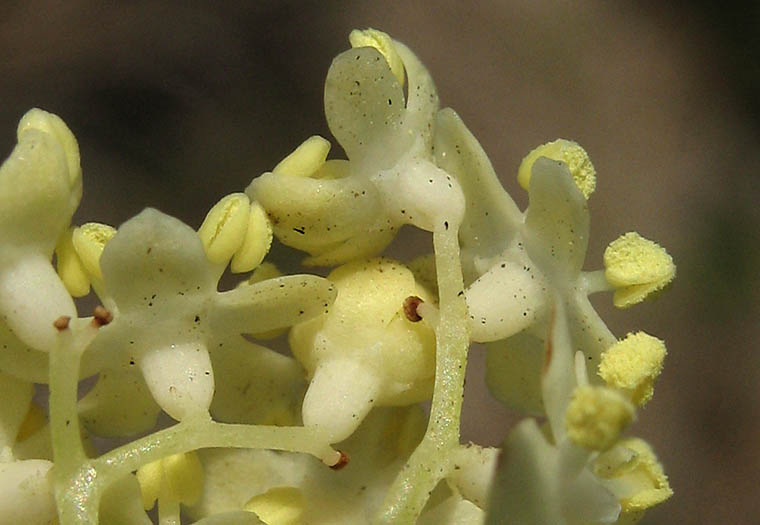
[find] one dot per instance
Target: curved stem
(430, 462)
(80, 503)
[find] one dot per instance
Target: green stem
(430, 462)
(81, 502)
(64, 420)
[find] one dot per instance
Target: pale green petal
(364, 106)
(180, 377)
(270, 304)
(556, 222)
(513, 372)
(422, 103)
(314, 215)
(153, 260)
(32, 297)
(340, 395)
(120, 404)
(361, 246)
(36, 196)
(415, 191)
(491, 219)
(258, 386)
(505, 300)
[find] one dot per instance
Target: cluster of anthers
(255, 428)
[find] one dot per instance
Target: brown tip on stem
(410, 308)
(342, 461)
(62, 323)
(101, 316)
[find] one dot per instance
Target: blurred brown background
(178, 104)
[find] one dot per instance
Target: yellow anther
(306, 159)
(636, 267)
(569, 152)
(224, 228)
(638, 481)
(278, 506)
(179, 477)
(596, 416)
(69, 266)
(34, 421)
(632, 364)
(383, 43)
(257, 241)
(89, 241)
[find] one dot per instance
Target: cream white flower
(347, 210)
(364, 352)
(168, 317)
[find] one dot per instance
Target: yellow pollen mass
(383, 43)
(179, 477)
(632, 364)
(89, 241)
(567, 151)
(224, 228)
(306, 159)
(69, 266)
(636, 267)
(278, 506)
(596, 416)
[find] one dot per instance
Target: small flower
(169, 316)
(340, 210)
(519, 264)
(364, 352)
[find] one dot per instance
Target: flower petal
(491, 218)
(364, 105)
(556, 222)
(314, 215)
(259, 387)
(120, 404)
(180, 377)
(270, 304)
(513, 372)
(153, 259)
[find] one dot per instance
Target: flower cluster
(256, 430)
